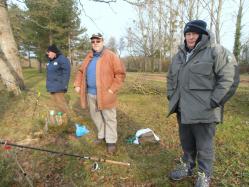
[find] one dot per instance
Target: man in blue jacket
(58, 75)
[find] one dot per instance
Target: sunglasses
(95, 41)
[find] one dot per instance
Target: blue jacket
(58, 74)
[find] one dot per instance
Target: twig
(22, 170)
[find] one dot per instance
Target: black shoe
(111, 148)
(98, 141)
(203, 180)
(181, 171)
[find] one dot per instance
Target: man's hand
(213, 104)
(77, 89)
(110, 91)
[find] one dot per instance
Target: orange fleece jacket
(110, 74)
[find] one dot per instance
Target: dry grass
(142, 106)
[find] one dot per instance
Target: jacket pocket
(201, 76)
(174, 75)
(172, 83)
(109, 98)
(202, 98)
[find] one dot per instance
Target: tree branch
(82, 6)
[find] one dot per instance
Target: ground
(142, 104)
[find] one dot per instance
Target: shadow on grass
(7, 101)
(150, 162)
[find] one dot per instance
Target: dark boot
(203, 180)
(181, 171)
(98, 141)
(111, 148)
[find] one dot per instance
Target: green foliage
(45, 22)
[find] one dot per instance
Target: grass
(142, 104)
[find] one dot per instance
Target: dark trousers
(197, 144)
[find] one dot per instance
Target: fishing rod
(96, 159)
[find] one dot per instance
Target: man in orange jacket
(98, 79)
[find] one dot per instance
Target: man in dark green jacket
(201, 78)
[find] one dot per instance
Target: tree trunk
(211, 16)
(70, 50)
(217, 25)
(10, 68)
(237, 43)
(7, 77)
(171, 30)
(30, 66)
(191, 10)
(160, 35)
(197, 9)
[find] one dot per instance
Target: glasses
(95, 41)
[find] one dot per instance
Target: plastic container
(52, 117)
(59, 118)
(80, 130)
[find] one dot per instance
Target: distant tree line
(150, 41)
(157, 30)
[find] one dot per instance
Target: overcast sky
(109, 20)
(113, 19)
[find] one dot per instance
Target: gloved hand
(213, 104)
(168, 97)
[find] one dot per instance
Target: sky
(229, 21)
(113, 19)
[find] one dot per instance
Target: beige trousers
(105, 120)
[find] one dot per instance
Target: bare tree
(160, 19)
(217, 24)
(171, 29)
(112, 44)
(214, 9)
(10, 68)
(121, 46)
(211, 15)
(192, 8)
(245, 52)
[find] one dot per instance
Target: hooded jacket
(200, 85)
(110, 74)
(58, 74)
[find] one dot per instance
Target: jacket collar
(91, 54)
(203, 43)
(56, 56)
